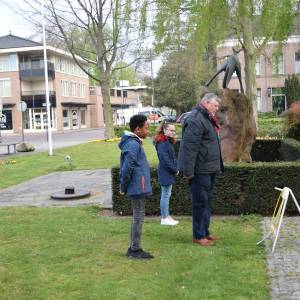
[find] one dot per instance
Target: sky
(11, 21)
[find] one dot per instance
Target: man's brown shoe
(203, 242)
(213, 238)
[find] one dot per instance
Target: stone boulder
(238, 129)
(25, 147)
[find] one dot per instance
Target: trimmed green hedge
(241, 189)
(290, 150)
(275, 150)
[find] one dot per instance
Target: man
(135, 180)
(200, 161)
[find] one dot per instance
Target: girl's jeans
(165, 199)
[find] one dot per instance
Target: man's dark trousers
(201, 189)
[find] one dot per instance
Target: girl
(167, 169)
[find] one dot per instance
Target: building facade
(22, 79)
(272, 68)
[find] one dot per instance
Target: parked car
(170, 118)
(182, 117)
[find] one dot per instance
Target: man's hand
(121, 193)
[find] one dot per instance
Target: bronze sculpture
(231, 64)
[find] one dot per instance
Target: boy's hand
(121, 193)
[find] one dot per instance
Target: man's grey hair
(209, 97)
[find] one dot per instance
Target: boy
(135, 180)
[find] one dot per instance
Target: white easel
(278, 214)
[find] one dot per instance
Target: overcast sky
(11, 21)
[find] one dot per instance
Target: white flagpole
(49, 127)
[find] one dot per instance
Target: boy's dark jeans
(201, 189)
(138, 215)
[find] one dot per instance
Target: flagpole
(49, 131)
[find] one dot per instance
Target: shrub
(270, 125)
(290, 150)
(241, 189)
(292, 121)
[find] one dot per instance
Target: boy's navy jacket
(134, 167)
(167, 167)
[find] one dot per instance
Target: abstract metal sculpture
(231, 64)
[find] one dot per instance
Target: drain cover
(70, 193)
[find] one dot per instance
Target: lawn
(95, 155)
(75, 253)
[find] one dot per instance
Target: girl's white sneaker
(167, 221)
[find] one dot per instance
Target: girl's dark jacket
(200, 150)
(134, 168)
(167, 167)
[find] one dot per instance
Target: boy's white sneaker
(167, 221)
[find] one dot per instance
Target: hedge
(276, 150)
(241, 189)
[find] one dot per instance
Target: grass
(73, 253)
(269, 124)
(96, 155)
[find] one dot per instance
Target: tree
(101, 33)
(175, 85)
(253, 23)
(125, 73)
(292, 89)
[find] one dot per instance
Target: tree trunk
(250, 61)
(108, 120)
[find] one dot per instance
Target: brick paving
(284, 264)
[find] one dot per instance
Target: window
(73, 89)
(5, 88)
(125, 94)
(64, 88)
(278, 100)
(277, 64)
(82, 117)
(81, 90)
(257, 65)
(297, 62)
(8, 63)
(65, 118)
(119, 94)
(258, 100)
(112, 92)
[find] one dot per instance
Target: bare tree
(101, 33)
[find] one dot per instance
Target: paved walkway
(36, 192)
(284, 264)
(59, 139)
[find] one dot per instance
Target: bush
(290, 150)
(241, 189)
(266, 150)
(292, 121)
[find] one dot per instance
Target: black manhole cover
(70, 193)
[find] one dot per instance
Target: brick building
(272, 68)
